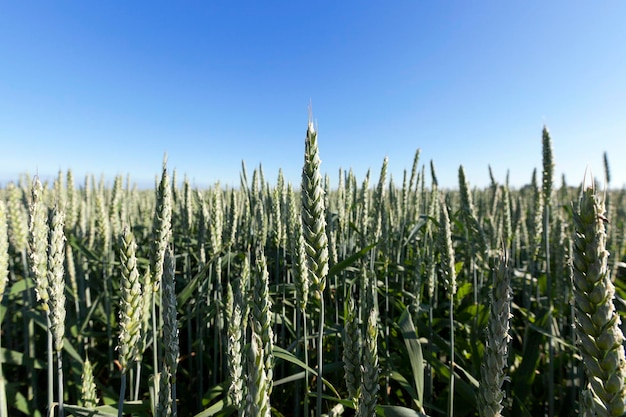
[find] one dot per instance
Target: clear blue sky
(108, 87)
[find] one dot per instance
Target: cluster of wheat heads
(306, 299)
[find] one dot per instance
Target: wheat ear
(492, 371)
(600, 339)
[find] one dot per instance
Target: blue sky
(109, 87)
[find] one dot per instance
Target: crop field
(376, 297)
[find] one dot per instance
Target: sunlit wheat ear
(548, 166)
(257, 399)
(71, 205)
(364, 204)
(258, 207)
(187, 205)
(71, 272)
(89, 396)
(341, 203)
(467, 203)
(203, 222)
(167, 392)
(90, 219)
(535, 228)
(161, 228)
(277, 220)
(115, 206)
(4, 249)
(216, 220)
(103, 224)
(147, 286)
(262, 315)
(235, 348)
(431, 263)
(314, 215)
(131, 301)
(492, 371)
(379, 201)
(170, 320)
(38, 243)
(368, 393)
(352, 352)
(505, 209)
(56, 280)
(241, 293)
(433, 174)
(600, 339)
(233, 218)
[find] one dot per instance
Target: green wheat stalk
(167, 390)
(38, 256)
(600, 339)
(131, 308)
(234, 354)
(352, 352)
(262, 316)
(56, 291)
(492, 371)
(368, 392)
(315, 239)
(257, 399)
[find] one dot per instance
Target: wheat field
(380, 296)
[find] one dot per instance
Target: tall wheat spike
(492, 371)
(203, 221)
(131, 301)
(262, 315)
(161, 226)
(131, 309)
(314, 215)
(534, 226)
(352, 352)
(368, 392)
(315, 238)
(167, 391)
(56, 291)
(600, 339)
(103, 223)
(38, 243)
(161, 236)
(237, 336)
(364, 206)
(379, 200)
(71, 205)
(257, 399)
(235, 347)
(56, 281)
(233, 218)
